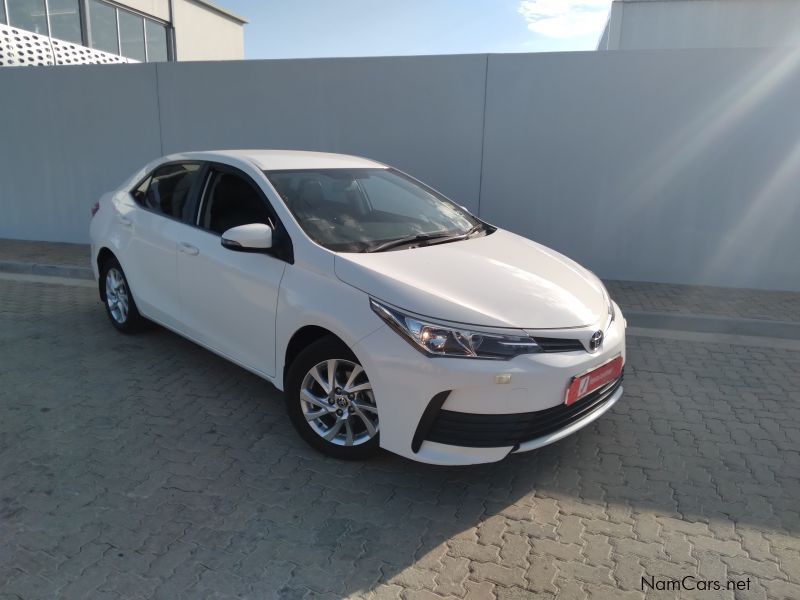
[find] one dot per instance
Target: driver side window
(231, 201)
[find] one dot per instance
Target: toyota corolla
(388, 315)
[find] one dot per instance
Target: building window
(119, 31)
(28, 14)
(103, 27)
(131, 36)
(110, 28)
(65, 20)
(156, 41)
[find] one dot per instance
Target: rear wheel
(120, 305)
(330, 401)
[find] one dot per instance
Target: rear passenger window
(168, 190)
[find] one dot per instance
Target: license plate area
(581, 386)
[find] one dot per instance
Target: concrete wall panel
(68, 134)
(673, 166)
(423, 115)
(665, 165)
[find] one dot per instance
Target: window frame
(81, 23)
(86, 18)
(283, 248)
(90, 13)
(403, 175)
(192, 195)
(168, 38)
(84, 22)
(121, 15)
(46, 18)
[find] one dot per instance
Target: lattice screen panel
(20, 48)
(67, 53)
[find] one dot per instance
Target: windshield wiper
(439, 238)
(409, 239)
(479, 226)
(463, 236)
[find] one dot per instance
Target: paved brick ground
(138, 467)
(706, 300)
(47, 253)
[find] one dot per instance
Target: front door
(228, 298)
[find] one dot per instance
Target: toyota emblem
(596, 340)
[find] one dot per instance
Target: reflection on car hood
(498, 280)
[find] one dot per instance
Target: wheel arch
(103, 255)
(302, 338)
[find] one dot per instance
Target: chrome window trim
(47, 18)
(202, 202)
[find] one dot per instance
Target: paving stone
(144, 466)
(480, 591)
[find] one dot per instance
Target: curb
(9, 266)
(789, 330)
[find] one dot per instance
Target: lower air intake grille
(496, 431)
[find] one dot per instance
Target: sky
(318, 28)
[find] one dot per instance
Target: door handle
(188, 249)
(124, 220)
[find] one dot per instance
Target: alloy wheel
(117, 298)
(337, 401)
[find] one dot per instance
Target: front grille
(496, 431)
(559, 344)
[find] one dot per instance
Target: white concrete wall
(156, 8)
(643, 24)
(67, 134)
(677, 166)
(672, 166)
(423, 115)
(204, 34)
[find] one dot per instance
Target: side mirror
(255, 237)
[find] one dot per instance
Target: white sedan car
(389, 315)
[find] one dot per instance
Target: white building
(46, 32)
(642, 24)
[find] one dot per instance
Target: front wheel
(330, 401)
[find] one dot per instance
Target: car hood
(497, 280)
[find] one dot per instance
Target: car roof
(276, 160)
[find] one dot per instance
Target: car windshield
(368, 210)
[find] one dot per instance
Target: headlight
(435, 339)
(611, 311)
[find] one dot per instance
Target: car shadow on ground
(171, 471)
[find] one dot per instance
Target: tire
(118, 299)
(340, 424)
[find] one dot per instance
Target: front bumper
(431, 408)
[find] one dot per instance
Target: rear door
(164, 203)
(228, 298)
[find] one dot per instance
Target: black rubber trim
(559, 344)
(427, 419)
(474, 430)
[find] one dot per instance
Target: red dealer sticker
(583, 385)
